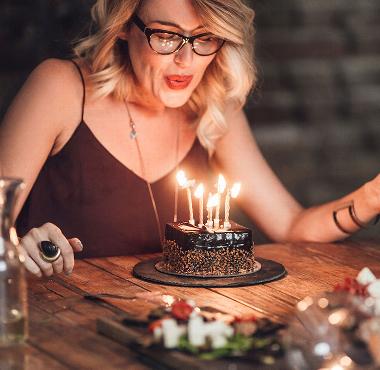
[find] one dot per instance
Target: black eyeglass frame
(185, 39)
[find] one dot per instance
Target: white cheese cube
(196, 331)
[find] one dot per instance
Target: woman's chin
(175, 101)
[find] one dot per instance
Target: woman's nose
(184, 56)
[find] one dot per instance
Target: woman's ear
(123, 35)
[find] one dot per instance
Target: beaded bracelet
(354, 217)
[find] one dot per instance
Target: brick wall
(316, 110)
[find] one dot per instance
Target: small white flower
(365, 276)
(191, 302)
(157, 333)
(374, 289)
(377, 307)
(218, 341)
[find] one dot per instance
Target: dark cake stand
(153, 271)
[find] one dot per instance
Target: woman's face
(166, 80)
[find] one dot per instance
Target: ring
(49, 252)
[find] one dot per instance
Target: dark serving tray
(269, 271)
(162, 358)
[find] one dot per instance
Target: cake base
(162, 267)
(270, 271)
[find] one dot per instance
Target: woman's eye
(166, 36)
(207, 39)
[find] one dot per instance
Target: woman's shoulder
(55, 89)
(56, 75)
(59, 79)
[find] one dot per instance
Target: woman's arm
(269, 204)
(46, 108)
(48, 103)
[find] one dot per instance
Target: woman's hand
(33, 261)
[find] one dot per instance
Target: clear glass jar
(13, 294)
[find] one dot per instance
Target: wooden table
(62, 323)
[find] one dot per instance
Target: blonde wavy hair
(228, 79)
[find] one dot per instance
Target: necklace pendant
(133, 133)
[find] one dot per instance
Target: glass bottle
(13, 294)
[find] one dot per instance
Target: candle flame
(221, 184)
(181, 178)
(199, 191)
(235, 190)
(212, 200)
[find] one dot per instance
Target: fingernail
(79, 244)
(68, 273)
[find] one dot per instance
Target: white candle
(221, 188)
(211, 203)
(227, 224)
(189, 200)
(233, 193)
(199, 194)
(185, 184)
(209, 211)
(217, 207)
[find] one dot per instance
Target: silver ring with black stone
(49, 252)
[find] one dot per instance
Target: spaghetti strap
(83, 84)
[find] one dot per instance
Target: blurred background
(316, 110)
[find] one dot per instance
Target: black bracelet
(351, 210)
(356, 219)
(337, 223)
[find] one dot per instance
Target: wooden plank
(27, 357)
(323, 264)
(260, 298)
(73, 345)
(312, 269)
(204, 297)
(63, 326)
(56, 314)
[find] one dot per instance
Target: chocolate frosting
(188, 236)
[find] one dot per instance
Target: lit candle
(185, 184)
(211, 203)
(199, 194)
(221, 188)
(233, 193)
(209, 211)
(191, 215)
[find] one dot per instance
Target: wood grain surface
(62, 324)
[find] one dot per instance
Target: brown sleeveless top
(89, 194)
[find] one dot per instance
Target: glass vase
(13, 294)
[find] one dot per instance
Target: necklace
(134, 136)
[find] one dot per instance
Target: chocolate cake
(191, 250)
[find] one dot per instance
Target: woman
(160, 85)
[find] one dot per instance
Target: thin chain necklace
(134, 136)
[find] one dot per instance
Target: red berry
(153, 325)
(181, 310)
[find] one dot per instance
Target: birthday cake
(201, 251)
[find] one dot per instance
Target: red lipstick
(178, 82)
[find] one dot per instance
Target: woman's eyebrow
(171, 24)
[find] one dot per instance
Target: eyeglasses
(168, 42)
